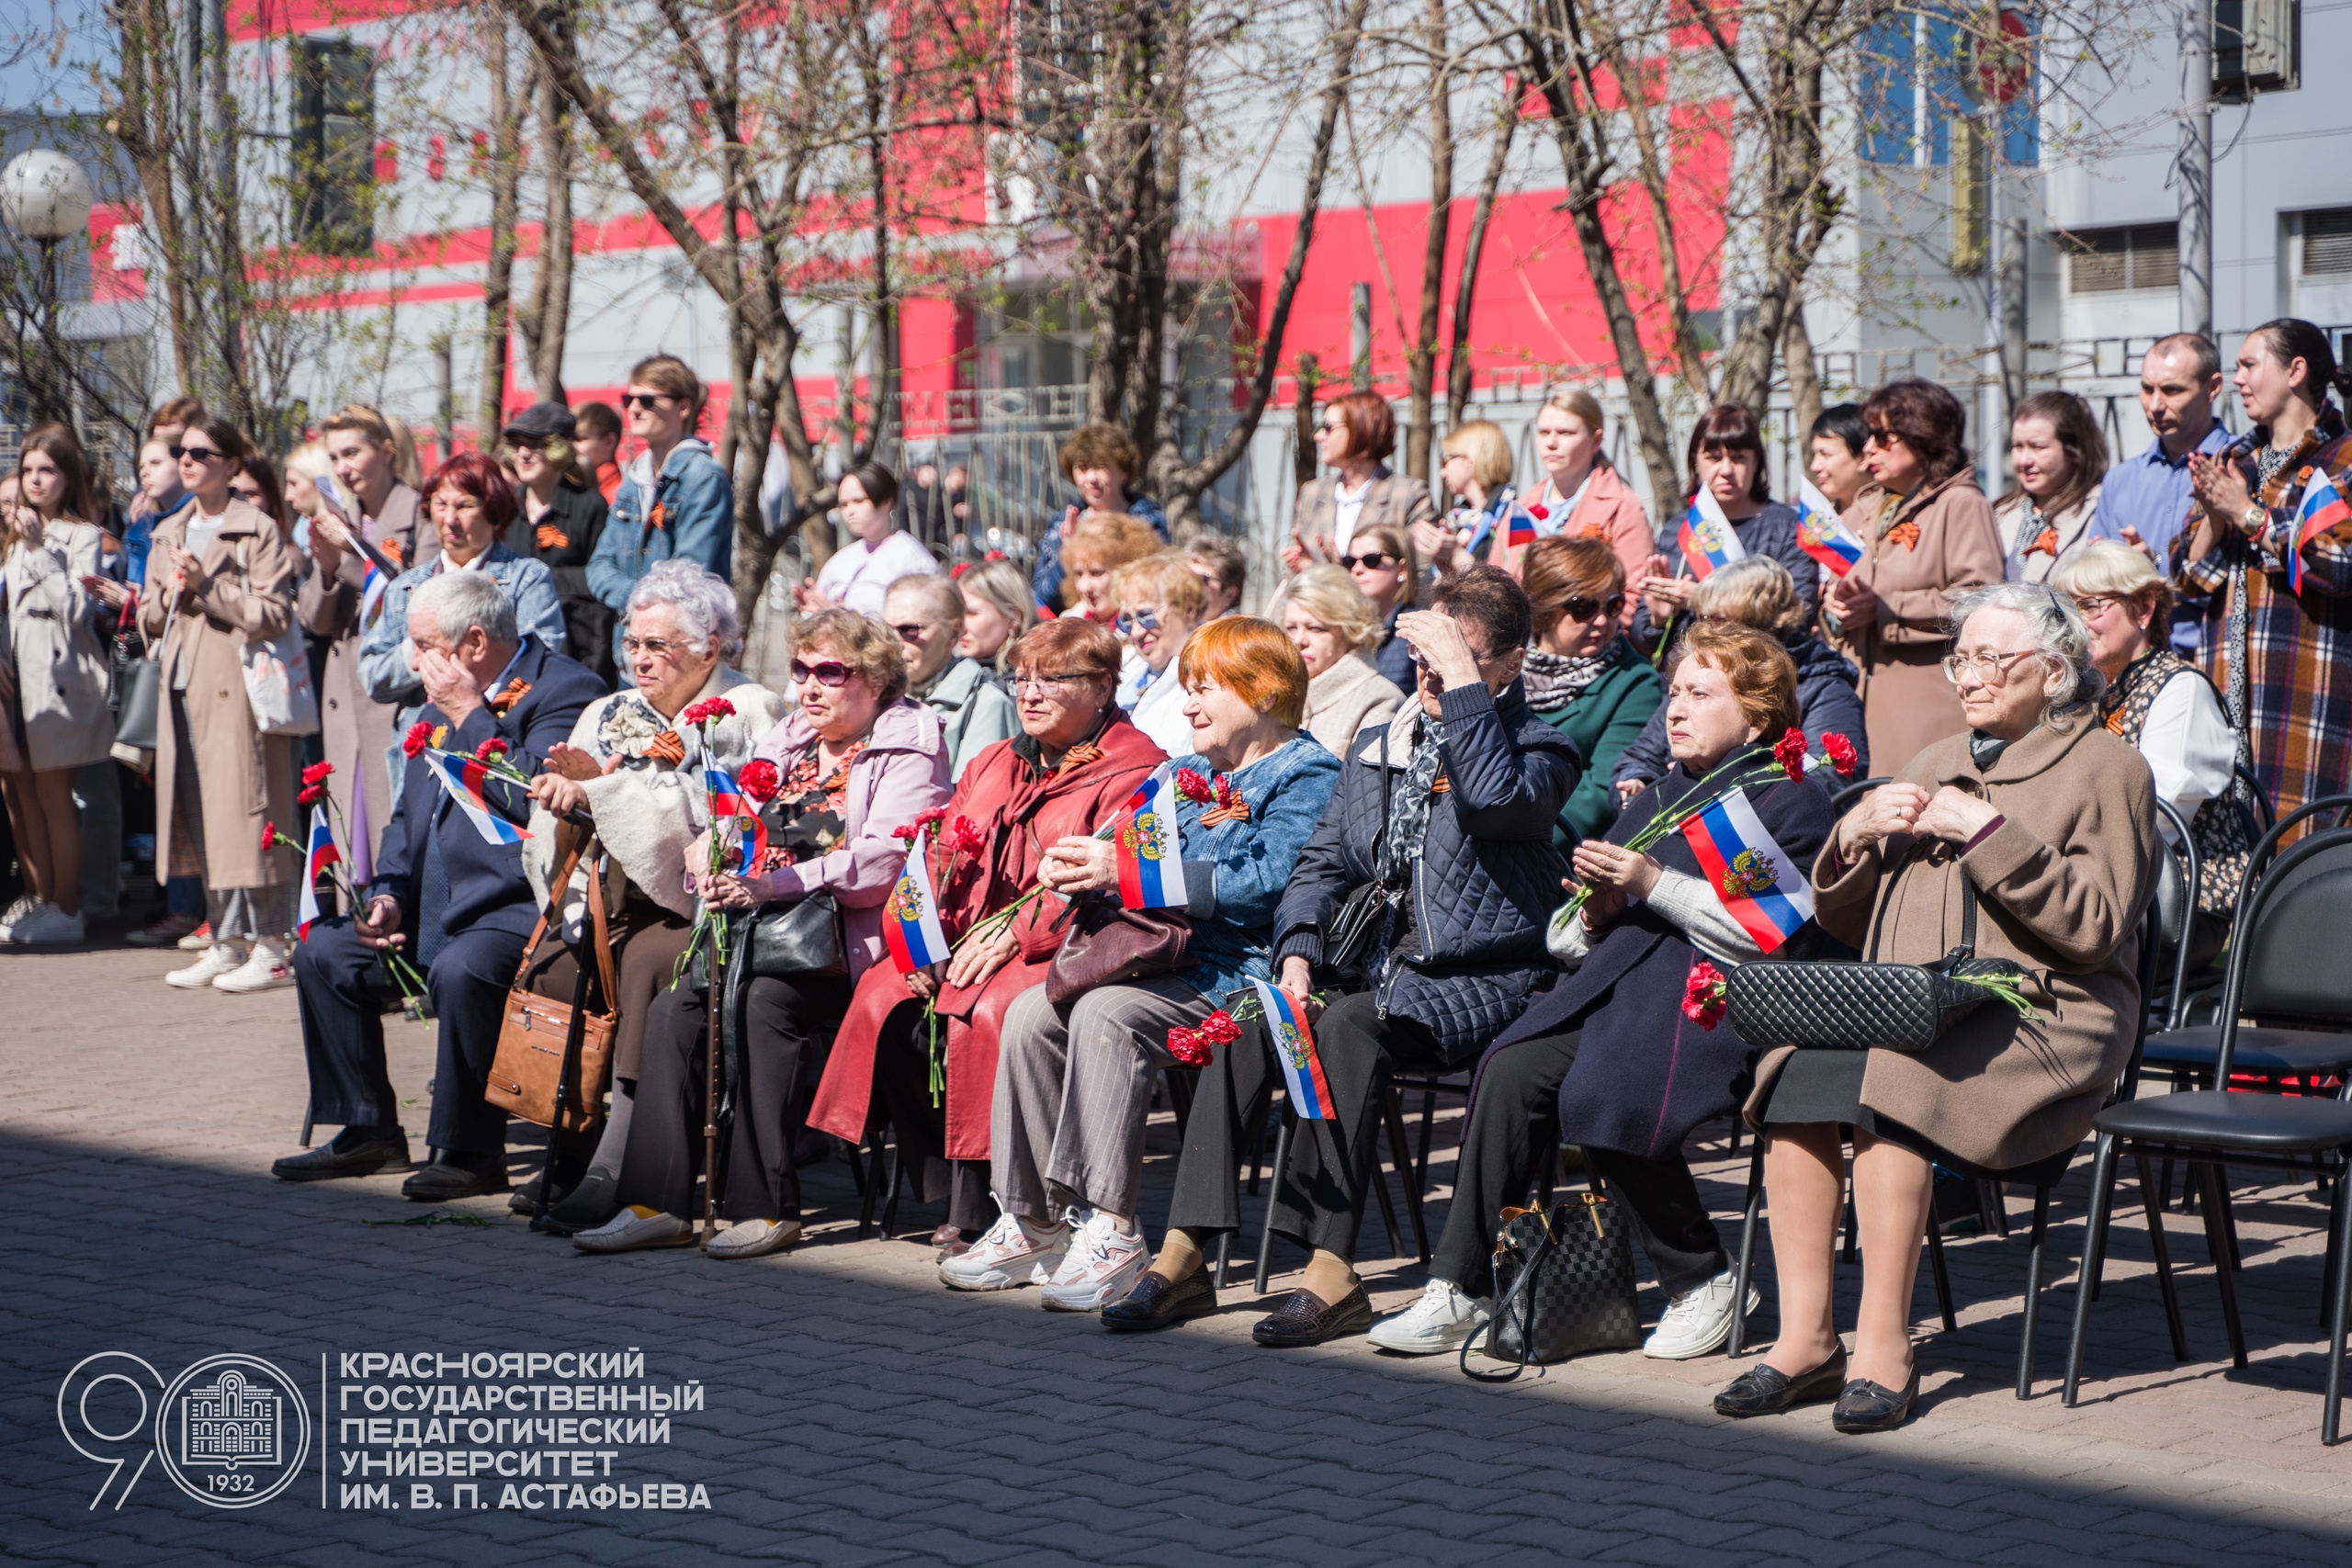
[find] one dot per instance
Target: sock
(1180, 1257)
(615, 1142)
(1328, 1276)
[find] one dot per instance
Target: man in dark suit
(457, 903)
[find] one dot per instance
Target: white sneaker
(1013, 1253)
(1696, 1322)
(269, 968)
(220, 958)
(1445, 1316)
(1101, 1266)
(634, 1227)
(753, 1238)
(45, 925)
(25, 905)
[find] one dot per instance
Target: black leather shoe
(342, 1155)
(1764, 1390)
(1303, 1317)
(449, 1175)
(527, 1197)
(585, 1208)
(1866, 1407)
(1156, 1304)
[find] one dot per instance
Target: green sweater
(1602, 723)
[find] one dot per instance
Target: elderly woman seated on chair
(1074, 1077)
(1619, 1058)
(2049, 823)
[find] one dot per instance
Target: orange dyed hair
(1763, 677)
(1251, 659)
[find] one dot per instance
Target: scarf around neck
(1555, 680)
(1408, 808)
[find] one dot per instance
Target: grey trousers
(1074, 1090)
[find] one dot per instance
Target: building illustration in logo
(233, 1431)
(231, 1423)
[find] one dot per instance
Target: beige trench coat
(355, 731)
(61, 667)
(1906, 702)
(248, 778)
(1390, 498)
(2062, 885)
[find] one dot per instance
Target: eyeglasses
(1046, 685)
(1880, 435)
(655, 647)
(201, 453)
(1993, 668)
(912, 631)
(831, 674)
(1372, 560)
(527, 443)
(2093, 605)
(1590, 609)
(644, 400)
(1140, 621)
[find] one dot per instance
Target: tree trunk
(1420, 365)
(144, 128)
(498, 273)
(1305, 376)
(546, 321)
(888, 415)
(1466, 287)
(1805, 382)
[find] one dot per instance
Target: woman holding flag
(1731, 513)
(1612, 1058)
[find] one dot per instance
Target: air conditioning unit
(2256, 48)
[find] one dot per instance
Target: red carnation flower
(310, 796)
(759, 779)
(1192, 787)
(1705, 996)
(1538, 512)
(1218, 1028)
(1790, 753)
(1189, 1049)
(925, 818)
(419, 736)
(709, 710)
(1225, 792)
(494, 747)
(965, 836)
(1842, 755)
(268, 837)
(317, 773)
(905, 833)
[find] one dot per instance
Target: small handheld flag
(1505, 505)
(1147, 846)
(910, 927)
(1294, 1044)
(726, 797)
(1706, 538)
(1820, 534)
(1521, 528)
(320, 854)
(462, 777)
(371, 595)
(2322, 508)
(1761, 886)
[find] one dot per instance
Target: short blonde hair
(1006, 586)
(1754, 590)
(310, 460)
(1329, 593)
(2115, 571)
(1104, 541)
(1483, 442)
(1167, 576)
(1252, 659)
(867, 646)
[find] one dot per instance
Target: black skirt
(1827, 1086)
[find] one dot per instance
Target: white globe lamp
(45, 196)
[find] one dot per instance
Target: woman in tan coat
(58, 719)
(1355, 439)
(2052, 822)
(1929, 536)
(220, 575)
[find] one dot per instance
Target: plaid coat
(2292, 697)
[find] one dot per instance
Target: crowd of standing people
(1413, 798)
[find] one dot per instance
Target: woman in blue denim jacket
(675, 502)
(1074, 1081)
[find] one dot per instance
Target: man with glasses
(675, 502)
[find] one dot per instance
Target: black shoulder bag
(1844, 1006)
(1355, 927)
(1564, 1284)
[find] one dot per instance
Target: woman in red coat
(1075, 762)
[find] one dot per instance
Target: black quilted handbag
(1564, 1284)
(796, 940)
(1840, 1006)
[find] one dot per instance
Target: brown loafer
(1303, 1317)
(1156, 1303)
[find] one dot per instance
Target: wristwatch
(2258, 518)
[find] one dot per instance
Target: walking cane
(710, 1086)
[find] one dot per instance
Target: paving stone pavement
(856, 1414)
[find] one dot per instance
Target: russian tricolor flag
(1147, 846)
(726, 797)
(1823, 535)
(371, 595)
(1706, 538)
(463, 776)
(1294, 1044)
(1762, 886)
(320, 856)
(2322, 508)
(910, 927)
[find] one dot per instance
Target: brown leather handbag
(533, 1031)
(1108, 944)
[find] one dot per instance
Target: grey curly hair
(2057, 630)
(702, 600)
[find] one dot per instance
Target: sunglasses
(1589, 609)
(1372, 560)
(912, 631)
(644, 400)
(1882, 436)
(201, 453)
(831, 674)
(1140, 621)
(527, 443)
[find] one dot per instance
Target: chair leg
(1738, 1342)
(2229, 1219)
(1738, 1120)
(868, 1164)
(2150, 1201)
(2338, 1322)
(1993, 1207)
(2094, 1241)
(1377, 1179)
(1400, 1151)
(1853, 1225)
(1943, 1280)
(308, 1122)
(1266, 1229)
(2033, 1250)
(891, 1173)
(1429, 1128)
(2334, 1260)
(1223, 1257)
(2217, 1245)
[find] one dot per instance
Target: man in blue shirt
(2146, 500)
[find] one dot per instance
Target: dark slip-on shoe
(1156, 1303)
(1867, 1407)
(342, 1156)
(1764, 1390)
(1303, 1318)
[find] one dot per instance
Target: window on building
(2328, 242)
(334, 146)
(2136, 256)
(2258, 48)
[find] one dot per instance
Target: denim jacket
(1235, 871)
(697, 524)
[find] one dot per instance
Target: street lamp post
(45, 196)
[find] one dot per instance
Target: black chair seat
(2252, 1123)
(2278, 1051)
